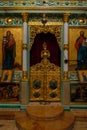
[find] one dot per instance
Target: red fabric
(78, 42)
(52, 46)
(11, 42)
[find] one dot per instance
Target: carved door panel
(45, 79)
(45, 87)
(53, 86)
(45, 82)
(36, 86)
(45, 76)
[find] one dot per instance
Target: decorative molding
(24, 46)
(66, 17)
(75, 21)
(43, 3)
(65, 76)
(36, 29)
(25, 17)
(66, 46)
(10, 21)
(45, 79)
(25, 76)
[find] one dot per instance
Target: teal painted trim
(73, 25)
(74, 106)
(35, 3)
(80, 106)
(66, 107)
(9, 105)
(22, 107)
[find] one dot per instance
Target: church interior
(43, 64)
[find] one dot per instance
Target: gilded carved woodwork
(24, 46)
(66, 17)
(65, 77)
(25, 76)
(45, 79)
(49, 28)
(25, 17)
(66, 47)
(40, 3)
(8, 20)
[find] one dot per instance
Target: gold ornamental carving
(65, 76)
(66, 46)
(82, 21)
(66, 17)
(8, 20)
(25, 76)
(34, 30)
(45, 74)
(25, 46)
(25, 17)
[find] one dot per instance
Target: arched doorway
(52, 46)
(45, 76)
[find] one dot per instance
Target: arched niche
(48, 34)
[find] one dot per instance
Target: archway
(52, 46)
(45, 78)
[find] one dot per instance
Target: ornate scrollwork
(38, 29)
(45, 79)
(11, 21)
(66, 17)
(25, 17)
(8, 20)
(42, 3)
(25, 76)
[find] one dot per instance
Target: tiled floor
(10, 125)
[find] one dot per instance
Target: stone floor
(7, 125)
(10, 125)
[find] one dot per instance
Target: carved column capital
(25, 17)
(25, 76)
(65, 76)
(66, 17)
(24, 46)
(66, 46)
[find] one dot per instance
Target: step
(45, 118)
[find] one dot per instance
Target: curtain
(52, 46)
